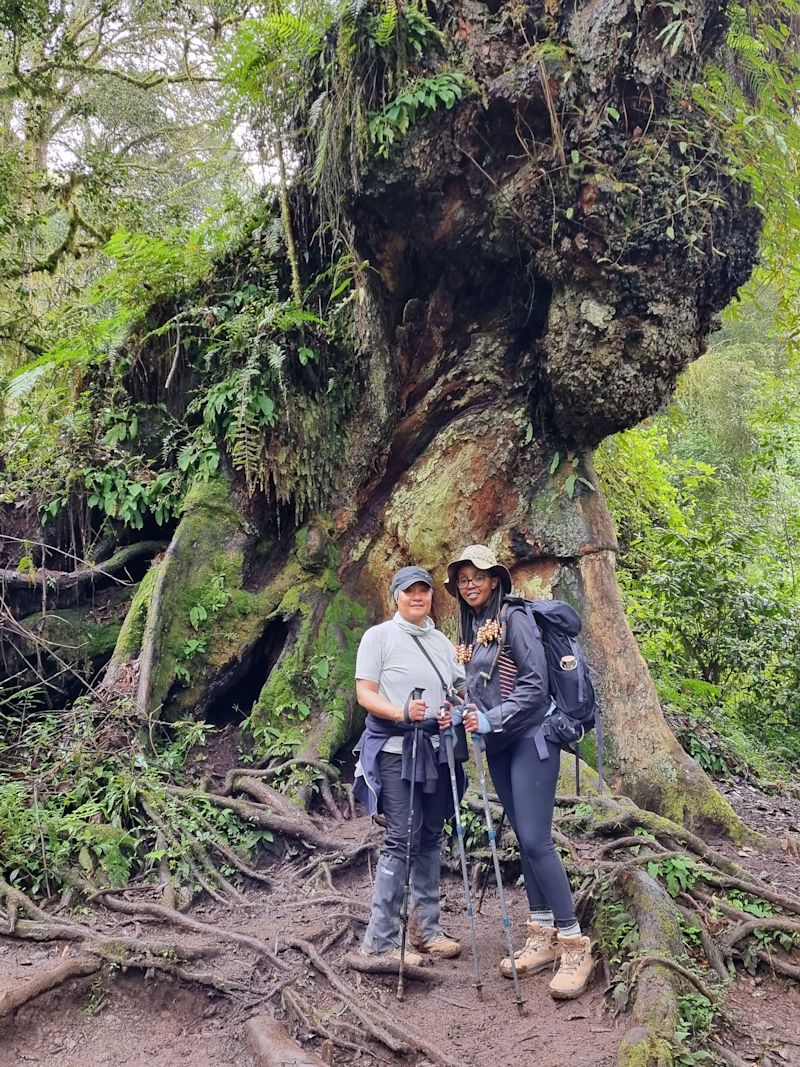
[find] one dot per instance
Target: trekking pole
(447, 736)
(497, 872)
(415, 694)
(487, 867)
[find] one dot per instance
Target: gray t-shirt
(391, 657)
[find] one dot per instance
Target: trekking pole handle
(415, 694)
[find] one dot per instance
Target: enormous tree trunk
(544, 259)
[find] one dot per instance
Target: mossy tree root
(61, 581)
(648, 1042)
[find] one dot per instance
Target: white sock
(573, 930)
(543, 918)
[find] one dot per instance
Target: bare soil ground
(158, 1022)
(154, 1021)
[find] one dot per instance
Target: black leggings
(526, 786)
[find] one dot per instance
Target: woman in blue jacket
(523, 763)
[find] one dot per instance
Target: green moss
(590, 780)
(129, 641)
(645, 1050)
(697, 808)
(317, 672)
(76, 636)
(358, 550)
(213, 495)
(207, 617)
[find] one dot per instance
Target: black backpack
(574, 710)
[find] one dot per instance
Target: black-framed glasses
(477, 581)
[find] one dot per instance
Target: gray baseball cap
(406, 576)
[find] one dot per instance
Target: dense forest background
(184, 307)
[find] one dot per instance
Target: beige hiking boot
(540, 951)
(441, 945)
(575, 967)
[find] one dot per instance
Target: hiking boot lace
(571, 959)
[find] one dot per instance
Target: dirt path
(152, 1021)
(159, 1023)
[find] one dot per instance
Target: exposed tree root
(603, 865)
(714, 953)
(32, 930)
(655, 1007)
(63, 580)
(756, 889)
(661, 827)
(49, 978)
(640, 962)
(153, 628)
(342, 859)
(175, 970)
(295, 825)
(310, 1020)
(370, 965)
(326, 771)
(370, 1021)
(728, 1056)
(157, 911)
(781, 966)
(744, 929)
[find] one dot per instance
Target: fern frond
(386, 24)
(354, 9)
(244, 434)
(25, 382)
(274, 238)
(318, 109)
(276, 357)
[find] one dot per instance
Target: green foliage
(73, 802)
(697, 1017)
(266, 59)
(111, 127)
(120, 497)
(754, 110)
(474, 827)
(711, 762)
(146, 265)
(706, 500)
(616, 931)
(202, 614)
(752, 905)
(421, 96)
(678, 873)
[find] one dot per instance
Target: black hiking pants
(526, 786)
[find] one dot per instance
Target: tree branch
(41, 577)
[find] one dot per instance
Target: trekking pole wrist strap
(406, 706)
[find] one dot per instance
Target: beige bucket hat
(485, 560)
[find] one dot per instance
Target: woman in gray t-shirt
(394, 658)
